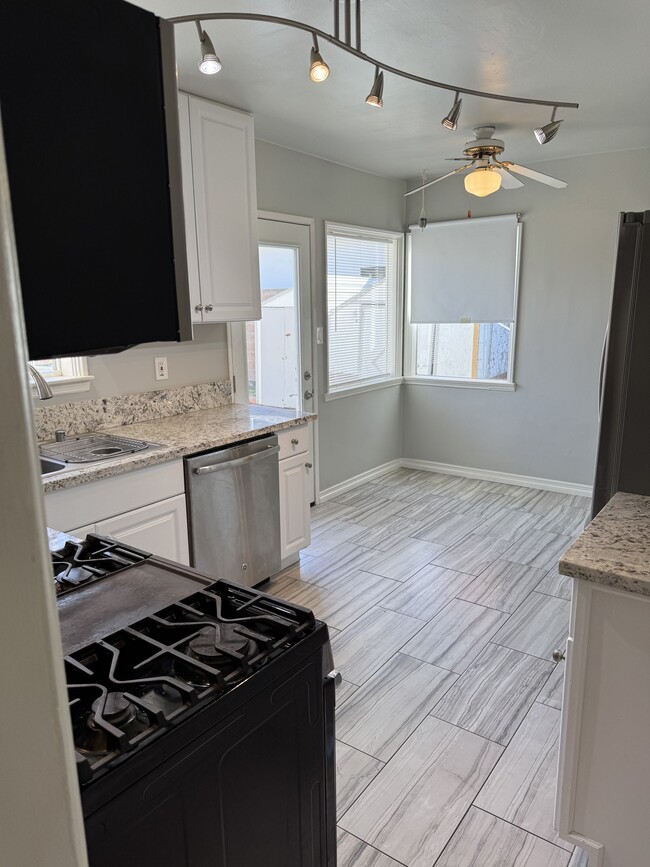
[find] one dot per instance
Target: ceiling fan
(488, 173)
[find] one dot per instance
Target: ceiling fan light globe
(318, 69)
(482, 182)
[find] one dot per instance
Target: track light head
(318, 69)
(451, 120)
(377, 90)
(545, 133)
(209, 63)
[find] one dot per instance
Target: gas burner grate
(80, 563)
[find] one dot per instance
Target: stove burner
(114, 709)
(217, 641)
(83, 562)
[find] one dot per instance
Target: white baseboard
(361, 479)
(496, 476)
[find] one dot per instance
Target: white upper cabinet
(218, 163)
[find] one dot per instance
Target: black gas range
(202, 714)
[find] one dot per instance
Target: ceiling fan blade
(508, 181)
(535, 176)
(429, 183)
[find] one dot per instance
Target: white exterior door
(272, 360)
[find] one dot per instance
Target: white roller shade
(465, 270)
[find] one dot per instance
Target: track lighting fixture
(377, 90)
(482, 181)
(451, 120)
(209, 63)
(545, 133)
(318, 69)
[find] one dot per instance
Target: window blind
(465, 270)
(361, 307)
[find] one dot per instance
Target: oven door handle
(236, 462)
(330, 682)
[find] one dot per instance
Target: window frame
(413, 378)
(68, 376)
(394, 377)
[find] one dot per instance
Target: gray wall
(360, 432)
(547, 428)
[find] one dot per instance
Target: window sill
(66, 385)
(490, 385)
(360, 389)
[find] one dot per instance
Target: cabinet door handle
(209, 308)
(558, 655)
(198, 307)
(308, 465)
(294, 442)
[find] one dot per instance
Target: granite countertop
(177, 436)
(615, 548)
(56, 539)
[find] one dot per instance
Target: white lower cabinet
(160, 528)
(603, 787)
(295, 493)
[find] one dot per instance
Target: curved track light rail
(356, 52)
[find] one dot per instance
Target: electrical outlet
(161, 368)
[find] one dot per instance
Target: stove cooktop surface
(132, 684)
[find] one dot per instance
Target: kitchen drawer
(293, 441)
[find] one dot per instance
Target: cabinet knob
(209, 308)
(558, 655)
(308, 465)
(198, 307)
(294, 442)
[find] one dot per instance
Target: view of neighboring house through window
(459, 350)
(363, 303)
(65, 375)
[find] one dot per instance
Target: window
(65, 375)
(463, 281)
(363, 307)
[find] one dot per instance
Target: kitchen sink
(89, 448)
(49, 466)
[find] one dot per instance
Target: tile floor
(444, 604)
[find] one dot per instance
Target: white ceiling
(594, 52)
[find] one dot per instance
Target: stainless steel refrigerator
(623, 461)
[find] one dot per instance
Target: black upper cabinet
(90, 121)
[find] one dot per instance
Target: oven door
(253, 791)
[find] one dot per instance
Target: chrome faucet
(43, 389)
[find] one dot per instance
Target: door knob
(308, 395)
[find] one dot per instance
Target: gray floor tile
(450, 528)
(344, 691)
(503, 585)
(403, 559)
(535, 501)
(329, 535)
(507, 524)
(492, 697)
(483, 840)
(538, 548)
(539, 626)
(354, 772)
(352, 852)
(456, 635)
(383, 536)
(329, 568)
(473, 554)
(341, 603)
(521, 789)
(374, 512)
(427, 592)
(551, 693)
(381, 714)
(326, 512)
(485, 503)
(370, 641)
(564, 519)
(554, 584)
(413, 806)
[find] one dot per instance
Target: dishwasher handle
(237, 462)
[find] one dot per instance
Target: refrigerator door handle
(601, 378)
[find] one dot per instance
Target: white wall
(364, 431)
(547, 428)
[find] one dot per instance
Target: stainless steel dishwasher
(233, 505)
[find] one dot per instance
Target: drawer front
(293, 441)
